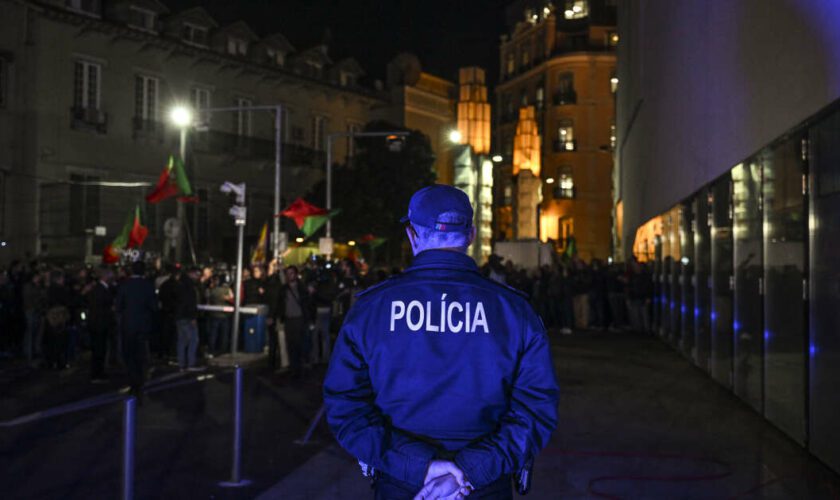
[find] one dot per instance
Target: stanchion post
(129, 413)
(236, 459)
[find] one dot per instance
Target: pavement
(637, 421)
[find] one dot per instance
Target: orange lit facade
(559, 59)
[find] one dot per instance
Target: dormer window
(276, 57)
(142, 19)
(315, 68)
(237, 46)
(194, 34)
(346, 79)
(90, 7)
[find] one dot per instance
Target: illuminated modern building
(728, 161)
(559, 61)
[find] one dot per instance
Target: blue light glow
(714, 316)
(696, 312)
(736, 326)
(682, 309)
(813, 350)
(766, 335)
(673, 305)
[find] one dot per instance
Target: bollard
(129, 409)
(235, 468)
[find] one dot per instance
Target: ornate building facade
(558, 61)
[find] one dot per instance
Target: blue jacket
(440, 362)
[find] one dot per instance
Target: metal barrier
(130, 421)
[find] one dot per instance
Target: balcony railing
(254, 148)
(564, 146)
(92, 119)
(562, 98)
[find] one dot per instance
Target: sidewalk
(631, 408)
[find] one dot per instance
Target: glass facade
(824, 292)
(747, 282)
(722, 281)
(785, 215)
(702, 279)
(747, 305)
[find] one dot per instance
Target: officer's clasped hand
(444, 481)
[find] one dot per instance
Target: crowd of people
(49, 313)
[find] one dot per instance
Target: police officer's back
(441, 364)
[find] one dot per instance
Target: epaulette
(387, 281)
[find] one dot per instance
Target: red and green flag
(132, 235)
(372, 241)
(173, 181)
(299, 210)
(313, 223)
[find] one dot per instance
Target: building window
(86, 82)
(565, 188)
(613, 83)
(565, 89)
(4, 82)
(576, 9)
(237, 46)
(195, 35)
(200, 100)
(91, 7)
(146, 98)
(510, 65)
(297, 134)
(346, 79)
(523, 99)
(142, 19)
(242, 117)
(276, 57)
(317, 136)
(352, 128)
(507, 146)
(508, 196)
(540, 97)
(565, 136)
(526, 56)
(84, 202)
(612, 137)
(612, 39)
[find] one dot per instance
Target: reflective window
(748, 254)
(824, 292)
(721, 315)
(784, 270)
(702, 279)
(675, 278)
(687, 279)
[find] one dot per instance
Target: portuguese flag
(372, 240)
(132, 236)
(172, 182)
(313, 223)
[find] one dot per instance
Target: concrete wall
(705, 84)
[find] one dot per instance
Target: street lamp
(182, 117)
(390, 134)
(497, 158)
(455, 136)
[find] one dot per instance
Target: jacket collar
(442, 259)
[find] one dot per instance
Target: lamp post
(182, 114)
(351, 135)
(182, 117)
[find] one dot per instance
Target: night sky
(444, 34)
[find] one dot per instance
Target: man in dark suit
(100, 303)
(137, 306)
(295, 309)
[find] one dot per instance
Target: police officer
(442, 380)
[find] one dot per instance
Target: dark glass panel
(702, 278)
(721, 315)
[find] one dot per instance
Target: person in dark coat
(167, 294)
(57, 318)
(186, 318)
(137, 306)
(99, 296)
(296, 311)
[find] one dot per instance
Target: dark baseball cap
(427, 205)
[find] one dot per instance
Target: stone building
(559, 58)
(85, 91)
